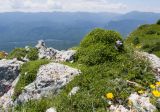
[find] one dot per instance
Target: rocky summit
(104, 73)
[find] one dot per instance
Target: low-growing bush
(151, 32)
(20, 53)
(143, 26)
(98, 47)
(136, 41)
(32, 54)
(158, 22)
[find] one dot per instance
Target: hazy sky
(120, 6)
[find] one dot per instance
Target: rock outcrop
(45, 52)
(154, 60)
(141, 103)
(9, 71)
(51, 53)
(6, 100)
(50, 79)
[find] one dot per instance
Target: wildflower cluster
(155, 88)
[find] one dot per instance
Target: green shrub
(158, 22)
(98, 47)
(136, 41)
(151, 32)
(143, 26)
(32, 54)
(18, 53)
(28, 74)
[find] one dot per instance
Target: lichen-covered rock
(50, 79)
(63, 56)
(51, 53)
(118, 108)
(9, 70)
(141, 103)
(45, 52)
(6, 100)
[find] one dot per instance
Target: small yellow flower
(158, 83)
(141, 92)
(109, 96)
(152, 86)
(156, 93)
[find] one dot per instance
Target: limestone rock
(74, 91)
(50, 79)
(63, 56)
(9, 71)
(51, 53)
(45, 52)
(51, 110)
(141, 103)
(118, 108)
(41, 45)
(6, 100)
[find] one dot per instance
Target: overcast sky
(120, 6)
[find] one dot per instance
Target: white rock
(6, 100)
(51, 53)
(141, 103)
(41, 44)
(50, 79)
(9, 70)
(118, 108)
(62, 56)
(74, 91)
(51, 110)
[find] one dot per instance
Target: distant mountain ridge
(18, 29)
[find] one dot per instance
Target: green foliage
(136, 41)
(28, 74)
(32, 54)
(98, 47)
(158, 22)
(151, 32)
(149, 38)
(19, 53)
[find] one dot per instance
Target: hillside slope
(146, 38)
(111, 75)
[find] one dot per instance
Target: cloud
(60, 5)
